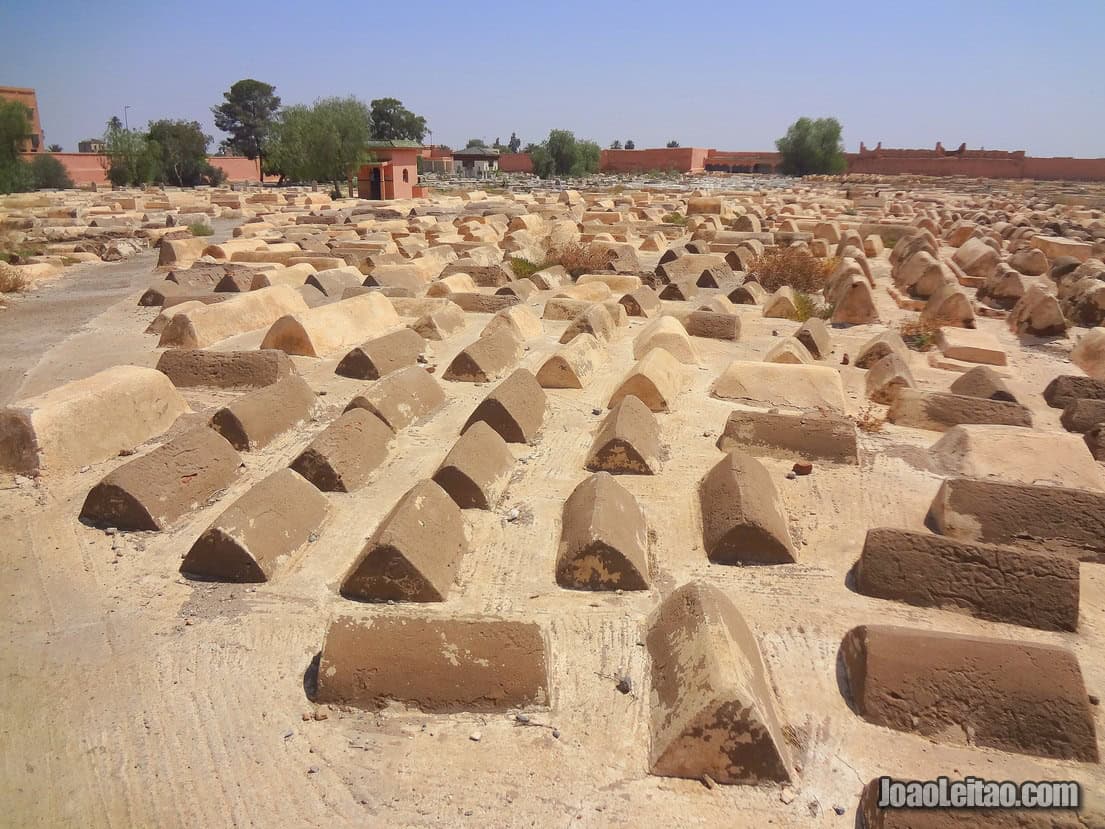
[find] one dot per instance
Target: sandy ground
(134, 697)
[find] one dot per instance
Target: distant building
(36, 142)
(394, 173)
(476, 162)
(91, 145)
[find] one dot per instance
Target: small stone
(431, 369)
(1095, 699)
(312, 770)
(838, 809)
(787, 795)
(625, 685)
(306, 716)
(320, 716)
(125, 453)
(708, 782)
(596, 411)
(556, 733)
(791, 475)
(522, 718)
(845, 360)
(421, 358)
(312, 537)
(85, 469)
(803, 468)
(774, 332)
(512, 515)
(475, 736)
(109, 531)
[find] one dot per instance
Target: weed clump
(796, 267)
(918, 334)
(870, 420)
(11, 280)
(807, 306)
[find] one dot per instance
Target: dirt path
(35, 323)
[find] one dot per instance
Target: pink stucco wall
(91, 168)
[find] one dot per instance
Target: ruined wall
(516, 163)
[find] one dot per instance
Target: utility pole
(126, 121)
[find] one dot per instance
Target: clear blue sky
(1002, 74)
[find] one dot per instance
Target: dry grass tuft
(870, 420)
(796, 267)
(578, 259)
(11, 280)
(918, 334)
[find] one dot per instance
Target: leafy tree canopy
(562, 154)
(179, 150)
(812, 147)
(15, 128)
(326, 141)
(391, 121)
(248, 114)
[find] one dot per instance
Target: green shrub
(523, 267)
(676, 219)
(50, 174)
(200, 229)
(16, 176)
(807, 307)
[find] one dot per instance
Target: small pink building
(394, 172)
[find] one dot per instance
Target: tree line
(324, 142)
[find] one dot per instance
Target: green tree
(671, 145)
(55, 148)
(629, 145)
(561, 154)
(324, 142)
(588, 155)
(128, 157)
(49, 173)
(288, 155)
(343, 128)
(248, 114)
(15, 128)
(180, 150)
(515, 143)
(812, 147)
(391, 121)
(615, 144)
(475, 142)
